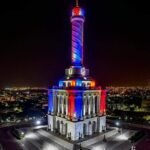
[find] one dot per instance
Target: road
(7, 141)
(32, 141)
(118, 142)
(36, 141)
(144, 143)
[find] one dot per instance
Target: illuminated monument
(76, 106)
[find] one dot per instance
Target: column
(93, 99)
(50, 102)
(102, 104)
(64, 128)
(58, 110)
(77, 38)
(90, 128)
(98, 104)
(79, 106)
(89, 107)
(84, 106)
(55, 104)
(71, 106)
(62, 105)
(61, 127)
(66, 99)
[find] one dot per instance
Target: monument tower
(76, 107)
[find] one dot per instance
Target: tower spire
(77, 3)
(77, 21)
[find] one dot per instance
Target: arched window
(94, 127)
(58, 126)
(84, 129)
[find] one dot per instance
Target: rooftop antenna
(77, 3)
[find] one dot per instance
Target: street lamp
(117, 123)
(38, 122)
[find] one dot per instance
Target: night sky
(35, 41)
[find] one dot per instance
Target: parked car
(18, 133)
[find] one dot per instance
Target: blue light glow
(60, 83)
(50, 101)
(78, 82)
(77, 11)
(82, 13)
(79, 107)
(77, 42)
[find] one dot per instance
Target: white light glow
(38, 122)
(117, 123)
(122, 137)
(48, 146)
(40, 127)
(31, 136)
(102, 147)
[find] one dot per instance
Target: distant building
(76, 106)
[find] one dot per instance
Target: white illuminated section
(83, 71)
(38, 122)
(70, 71)
(122, 137)
(31, 136)
(100, 147)
(74, 115)
(84, 110)
(117, 123)
(48, 146)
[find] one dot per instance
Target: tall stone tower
(77, 106)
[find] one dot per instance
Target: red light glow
(71, 104)
(76, 11)
(73, 83)
(103, 102)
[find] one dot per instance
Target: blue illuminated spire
(77, 21)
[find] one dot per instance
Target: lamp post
(119, 128)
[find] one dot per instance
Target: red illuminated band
(71, 104)
(103, 102)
